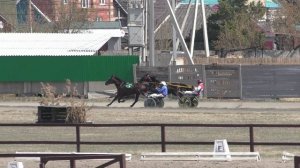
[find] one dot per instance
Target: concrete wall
(34, 88)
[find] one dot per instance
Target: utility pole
(205, 30)
(174, 55)
(151, 32)
(30, 15)
(109, 8)
(194, 28)
(145, 32)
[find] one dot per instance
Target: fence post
(42, 162)
(170, 72)
(134, 72)
(297, 161)
(204, 80)
(163, 139)
(122, 161)
(72, 163)
(78, 138)
(241, 82)
(251, 134)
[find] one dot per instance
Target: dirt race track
(208, 111)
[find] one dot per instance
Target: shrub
(76, 108)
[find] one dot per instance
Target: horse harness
(123, 84)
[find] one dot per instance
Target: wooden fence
(163, 142)
(45, 158)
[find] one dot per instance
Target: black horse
(151, 82)
(125, 89)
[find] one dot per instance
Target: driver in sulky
(161, 91)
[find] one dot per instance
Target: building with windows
(98, 10)
(5, 26)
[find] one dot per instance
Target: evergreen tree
(234, 25)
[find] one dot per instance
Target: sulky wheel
(194, 102)
(184, 102)
(149, 102)
(160, 103)
(188, 102)
(181, 101)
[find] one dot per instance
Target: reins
(118, 83)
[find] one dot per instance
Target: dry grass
(166, 115)
(138, 115)
(76, 108)
(77, 111)
(49, 96)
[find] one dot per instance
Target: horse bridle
(117, 81)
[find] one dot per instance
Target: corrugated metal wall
(161, 73)
(271, 81)
(60, 68)
(187, 74)
(236, 81)
(222, 81)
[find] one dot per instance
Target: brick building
(98, 10)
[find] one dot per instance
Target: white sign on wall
(1, 25)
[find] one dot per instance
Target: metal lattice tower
(141, 29)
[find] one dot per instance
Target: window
(98, 19)
(102, 2)
(65, 1)
(84, 3)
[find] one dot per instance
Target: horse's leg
(172, 91)
(120, 100)
(175, 93)
(136, 99)
(112, 100)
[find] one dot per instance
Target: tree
(287, 20)
(234, 25)
(8, 12)
(70, 17)
(287, 17)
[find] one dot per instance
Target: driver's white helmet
(163, 83)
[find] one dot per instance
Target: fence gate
(223, 81)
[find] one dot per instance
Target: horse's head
(109, 81)
(148, 78)
(145, 78)
(114, 80)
